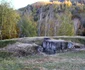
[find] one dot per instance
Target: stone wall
(39, 40)
(30, 45)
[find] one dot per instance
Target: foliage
(65, 24)
(46, 17)
(8, 21)
(28, 27)
(68, 3)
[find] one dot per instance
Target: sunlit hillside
(58, 2)
(42, 3)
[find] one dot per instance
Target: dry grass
(59, 61)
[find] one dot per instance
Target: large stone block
(51, 46)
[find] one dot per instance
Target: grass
(59, 61)
(4, 43)
(77, 40)
(80, 54)
(39, 40)
(5, 54)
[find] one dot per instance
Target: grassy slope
(60, 61)
(77, 39)
(38, 40)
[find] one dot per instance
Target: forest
(51, 19)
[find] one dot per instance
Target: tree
(27, 27)
(8, 21)
(65, 24)
(40, 22)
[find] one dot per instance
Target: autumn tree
(65, 26)
(8, 21)
(27, 27)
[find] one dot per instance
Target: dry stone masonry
(51, 46)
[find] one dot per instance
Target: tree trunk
(40, 22)
(46, 25)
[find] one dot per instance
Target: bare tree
(55, 27)
(40, 22)
(46, 24)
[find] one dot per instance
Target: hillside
(41, 3)
(47, 13)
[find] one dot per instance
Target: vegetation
(27, 27)
(66, 26)
(8, 21)
(61, 61)
(4, 43)
(50, 19)
(39, 40)
(10, 26)
(72, 38)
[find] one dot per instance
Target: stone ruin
(52, 46)
(48, 46)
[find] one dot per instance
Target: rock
(70, 46)
(22, 49)
(51, 46)
(78, 45)
(40, 49)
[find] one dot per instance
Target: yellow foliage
(42, 3)
(8, 19)
(68, 3)
(56, 2)
(79, 4)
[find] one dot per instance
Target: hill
(49, 12)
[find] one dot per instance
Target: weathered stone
(51, 46)
(78, 45)
(40, 49)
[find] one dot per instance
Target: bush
(66, 26)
